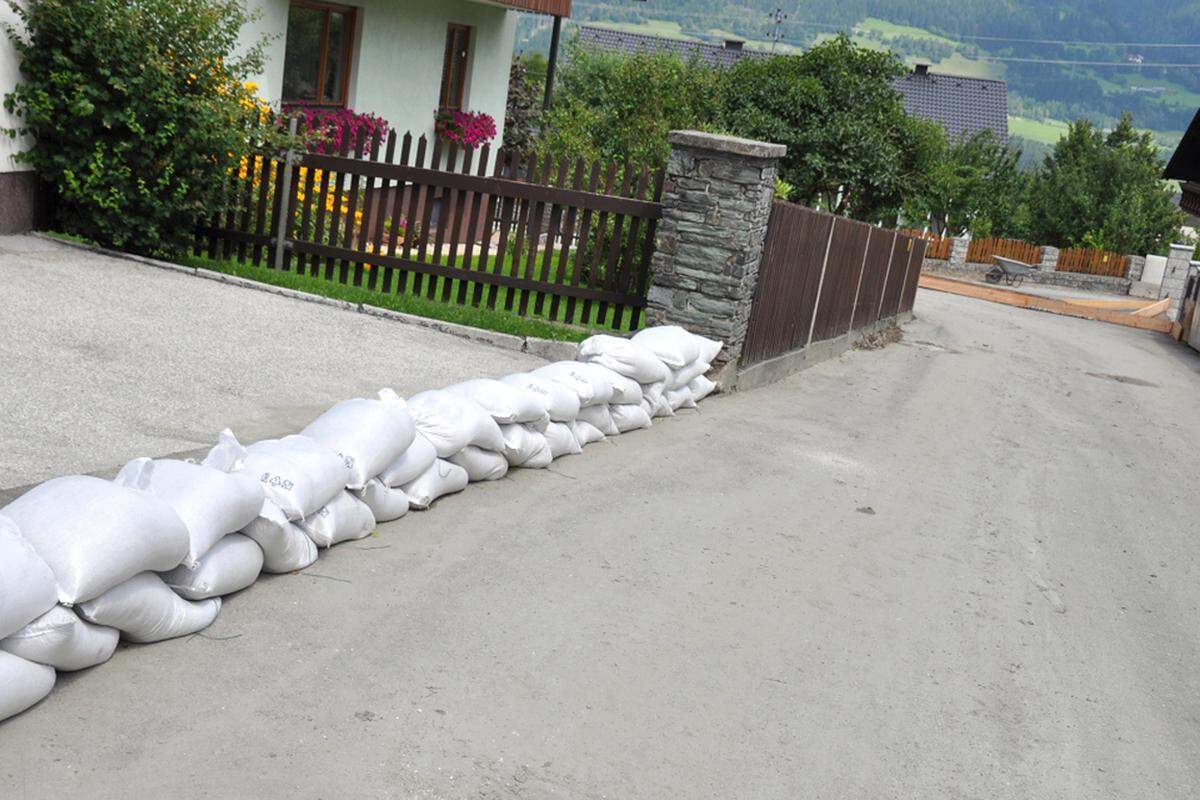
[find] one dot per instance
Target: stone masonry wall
(1175, 277)
(716, 205)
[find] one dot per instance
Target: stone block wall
(1049, 261)
(1175, 277)
(716, 205)
(1137, 265)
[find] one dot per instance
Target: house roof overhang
(1185, 163)
(558, 8)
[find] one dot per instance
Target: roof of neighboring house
(1185, 164)
(963, 106)
(719, 55)
(559, 8)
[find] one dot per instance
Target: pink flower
(466, 128)
(333, 125)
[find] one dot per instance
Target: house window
(316, 62)
(454, 66)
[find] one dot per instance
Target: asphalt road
(962, 566)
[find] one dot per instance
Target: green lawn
(890, 30)
(1044, 131)
(451, 299)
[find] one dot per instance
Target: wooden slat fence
(983, 251)
(564, 241)
(823, 277)
(1093, 262)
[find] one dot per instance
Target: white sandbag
(144, 609)
(480, 464)
(525, 447)
(367, 434)
(562, 440)
(344, 519)
(441, 479)
(60, 639)
(285, 547)
(586, 433)
(298, 474)
(624, 390)
(95, 534)
(662, 408)
(701, 387)
(623, 356)
(590, 389)
(709, 348)
(680, 378)
(211, 502)
(629, 417)
(507, 404)
(451, 422)
(27, 587)
(411, 464)
(386, 504)
(230, 566)
(674, 346)
(679, 399)
(599, 417)
(22, 684)
(654, 391)
(561, 402)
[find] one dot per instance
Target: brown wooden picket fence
(822, 277)
(559, 240)
(1093, 262)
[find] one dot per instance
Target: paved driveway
(105, 360)
(963, 566)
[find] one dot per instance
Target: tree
(620, 107)
(524, 113)
(843, 124)
(1103, 191)
(139, 111)
(972, 185)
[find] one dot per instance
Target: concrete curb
(549, 349)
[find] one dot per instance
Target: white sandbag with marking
(481, 465)
(701, 387)
(507, 404)
(60, 639)
(562, 440)
(623, 356)
(95, 534)
(629, 417)
(345, 518)
(386, 503)
(211, 501)
(411, 464)
(298, 474)
(230, 566)
(561, 402)
(22, 684)
(587, 385)
(367, 434)
(285, 547)
(624, 390)
(441, 479)
(525, 447)
(144, 609)
(27, 587)
(451, 422)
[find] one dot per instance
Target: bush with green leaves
(139, 112)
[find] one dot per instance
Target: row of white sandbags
(162, 541)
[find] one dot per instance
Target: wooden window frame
(327, 9)
(449, 59)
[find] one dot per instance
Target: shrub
(139, 112)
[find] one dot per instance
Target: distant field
(1044, 131)
(890, 30)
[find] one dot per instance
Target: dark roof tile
(963, 106)
(632, 43)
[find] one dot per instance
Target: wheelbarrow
(1009, 270)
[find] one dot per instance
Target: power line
(1070, 62)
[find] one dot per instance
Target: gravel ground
(961, 566)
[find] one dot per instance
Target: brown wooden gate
(822, 277)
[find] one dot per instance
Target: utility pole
(777, 19)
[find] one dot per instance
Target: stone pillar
(716, 204)
(958, 252)
(1175, 277)
(1049, 261)
(1137, 265)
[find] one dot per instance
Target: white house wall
(10, 74)
(400, 44)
